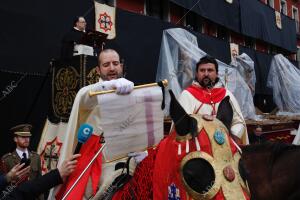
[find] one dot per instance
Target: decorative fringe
(197, 144)
(140, 187)
(179, 149)
(187, 146)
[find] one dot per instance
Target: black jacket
(31, 189)
(71, 38)
(3, 182)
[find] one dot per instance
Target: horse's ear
(184, 123)
(225, 112)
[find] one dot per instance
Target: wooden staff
(164, 82)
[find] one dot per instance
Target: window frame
(282, 10)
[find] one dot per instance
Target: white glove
(122, 86)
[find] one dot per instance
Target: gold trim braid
(222, 158)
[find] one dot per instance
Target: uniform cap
(22, 130)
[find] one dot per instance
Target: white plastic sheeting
(245, 65)
(284, 79)
(179, 54)
(297, 137)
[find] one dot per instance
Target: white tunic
(193, 106)
(86, 110)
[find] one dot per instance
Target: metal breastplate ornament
(221, 167)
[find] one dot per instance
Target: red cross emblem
(50, 155)
(105, 22)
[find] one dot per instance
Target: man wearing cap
(22, 136)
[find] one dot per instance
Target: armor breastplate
(222, 163)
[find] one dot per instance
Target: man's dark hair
(76, 19)
(205, 60)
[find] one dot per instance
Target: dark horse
(270, 170)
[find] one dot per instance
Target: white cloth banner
(105, 19)
(50, 144)
(131, 122)
(278, 19)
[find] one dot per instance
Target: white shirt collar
(20, 153)
(78, 29)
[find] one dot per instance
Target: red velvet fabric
(87, 151)
(214, 95)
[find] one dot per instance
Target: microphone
(84, 132)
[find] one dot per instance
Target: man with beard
(21, 154)
(86, 109)
(205, 94)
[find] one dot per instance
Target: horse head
(185, 123)
(197, 173)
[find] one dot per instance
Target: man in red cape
(205, 94)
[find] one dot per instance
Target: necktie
(24, 156)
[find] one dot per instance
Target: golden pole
(164, 82)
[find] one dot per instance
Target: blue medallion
(219, 137)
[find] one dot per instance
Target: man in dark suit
(31, 189)
(15, 174)
(22, 154)
(74, 36)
